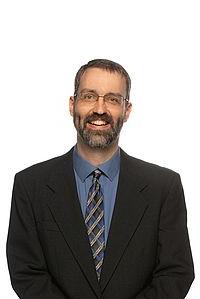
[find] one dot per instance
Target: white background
(43, 43)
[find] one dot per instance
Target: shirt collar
(83, 168)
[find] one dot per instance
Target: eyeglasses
(109, 98)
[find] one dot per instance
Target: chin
(98, 139)
(98, 142)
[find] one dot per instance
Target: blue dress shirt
(108, 181)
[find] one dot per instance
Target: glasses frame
(76, 95)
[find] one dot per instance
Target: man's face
(98, 123)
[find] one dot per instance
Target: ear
(128, 109)
(71, 105)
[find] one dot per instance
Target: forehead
(103, 81)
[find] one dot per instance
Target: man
(96, 222)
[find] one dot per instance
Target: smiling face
(99, 122)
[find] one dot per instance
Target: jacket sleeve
(29, 274)
(174, 270)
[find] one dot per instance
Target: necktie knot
(97, 173)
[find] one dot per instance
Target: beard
(98, 139)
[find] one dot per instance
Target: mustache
(95, 116)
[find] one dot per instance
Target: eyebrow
(90, 90)
(93, 90)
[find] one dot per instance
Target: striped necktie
(94, 220)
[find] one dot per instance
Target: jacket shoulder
(149, 170)
(43, 169)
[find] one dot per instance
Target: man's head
(100, 104)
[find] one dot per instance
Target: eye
(88, 96)
(113, 99)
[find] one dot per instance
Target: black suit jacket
(147, 256)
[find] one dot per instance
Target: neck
(96, 156)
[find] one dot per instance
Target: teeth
(98, 123)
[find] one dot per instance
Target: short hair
(107, 65)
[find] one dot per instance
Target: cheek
(81, 111)
(117, 116)
(79, 115)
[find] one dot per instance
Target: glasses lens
(113, 99)
(88, 96)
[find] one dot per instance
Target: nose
(100, 106)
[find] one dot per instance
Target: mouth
(98, 124)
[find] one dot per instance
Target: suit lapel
(129, 209)
(65, 207)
